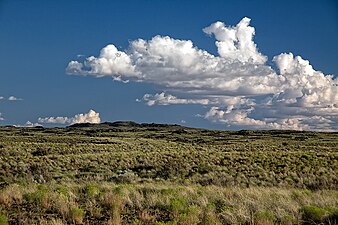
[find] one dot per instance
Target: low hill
(127, 124)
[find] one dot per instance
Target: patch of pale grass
(11, 195)
(52, 221)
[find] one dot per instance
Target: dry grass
(165, 204)
(286, 159)
(10, 195)
(167, 175)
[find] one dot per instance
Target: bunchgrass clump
(76, 215)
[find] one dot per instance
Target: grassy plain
(128, 173)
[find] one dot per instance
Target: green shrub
(313, 214)
(77, 215)
(39, 198)
(92, 190)
(179, 204)
(307, 192)
(3, 219)
(190, 217)
(288, 219)
(162, 223)
(264, 217)
(62, 190)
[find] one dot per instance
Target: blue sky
(38, 40)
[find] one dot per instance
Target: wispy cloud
(241, 89)
(167, 99)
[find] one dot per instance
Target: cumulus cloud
(111, 61)
(90, 117)
(13, 98)
(240, 88)
(178, 64)
(1, 118)
(305, 86)
(1, 98)
(241, 118)
(236, 42)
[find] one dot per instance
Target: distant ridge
(133, 126)
(122, 124)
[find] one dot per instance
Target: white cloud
(58, 120)
(111, 61)
(1, 98)
(236, 42)
(90, 117)
(13, 98)
(305, 86)
(30, 124)
(177, 64)
(167, 99)
(238, 85)
(233, 117)
(240, 118)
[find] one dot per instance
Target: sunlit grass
(166, 175)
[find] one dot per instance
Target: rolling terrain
(130, 173)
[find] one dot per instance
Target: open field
(127, 173)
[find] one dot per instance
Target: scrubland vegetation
(127, 173)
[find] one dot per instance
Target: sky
(212, 64)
